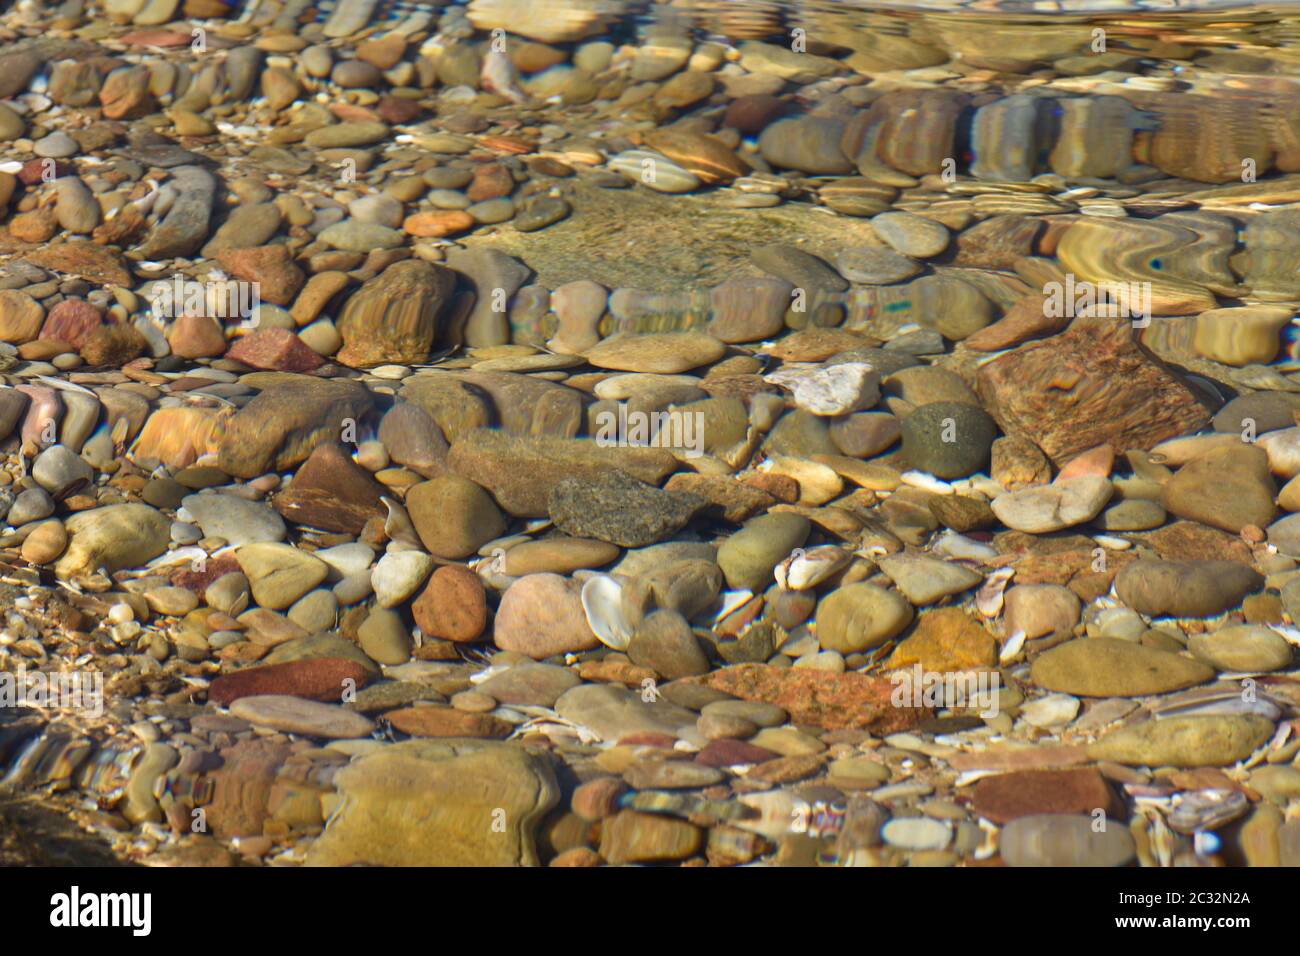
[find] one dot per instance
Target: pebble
(1111, 667)
(298, 716)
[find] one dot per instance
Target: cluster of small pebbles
(389, 538)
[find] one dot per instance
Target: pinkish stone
(275, 350)
(196, 336)
(71, 321)
(541, 615)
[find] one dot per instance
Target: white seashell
(988, 600)
(730, 601)
(602, 603)
(13, 166)
(926, 482)
(179, 556)
(1011, 649)
(1112, 543)
(950, 544)
(804, 569)
(398, 524)
(1055, 710)
(1291, 634)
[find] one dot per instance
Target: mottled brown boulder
(819, 698)
(521, 471)
(1091, 385)
(321, 678)
(331, 491)
(394, 316)
(281, 426)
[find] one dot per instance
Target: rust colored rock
(1192, 541)
(241, 787)
(272, 267)
(275, 350)
(491, 181)
(829, 701)
(1009, 796)
(197, 580)
(80, 257)
(33, 171)
(1091, 385)
(1026, 319)
(731, 753)
(196, 336)
(452, 606)
(446, 222)
(71, 321)
(431, 721)
(597, 799)
(318, 678)
(126, 95)
(331, 491)
(750, 114)
(113, 346)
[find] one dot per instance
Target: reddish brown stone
(395, 110)
(781, 487)
(1192, 541)
(731, 753)
(787, 769)
(275, 350)
(750, 114)
(33, 171)
(1091, 385)
(430, 721)
(317, 678)
(39, 225)
(1026, 319)
(71, 321)
(597, 799)
(331, 491)
(1010, 796)
(198, 579)
(126, 95)
(615, 672)
(80, 257)
(241, 787)
(452, 606)
(271, 267)
(196, 336)
(818, 698)
(734, 501)
(491, 181)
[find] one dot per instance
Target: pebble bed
(377, 569)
